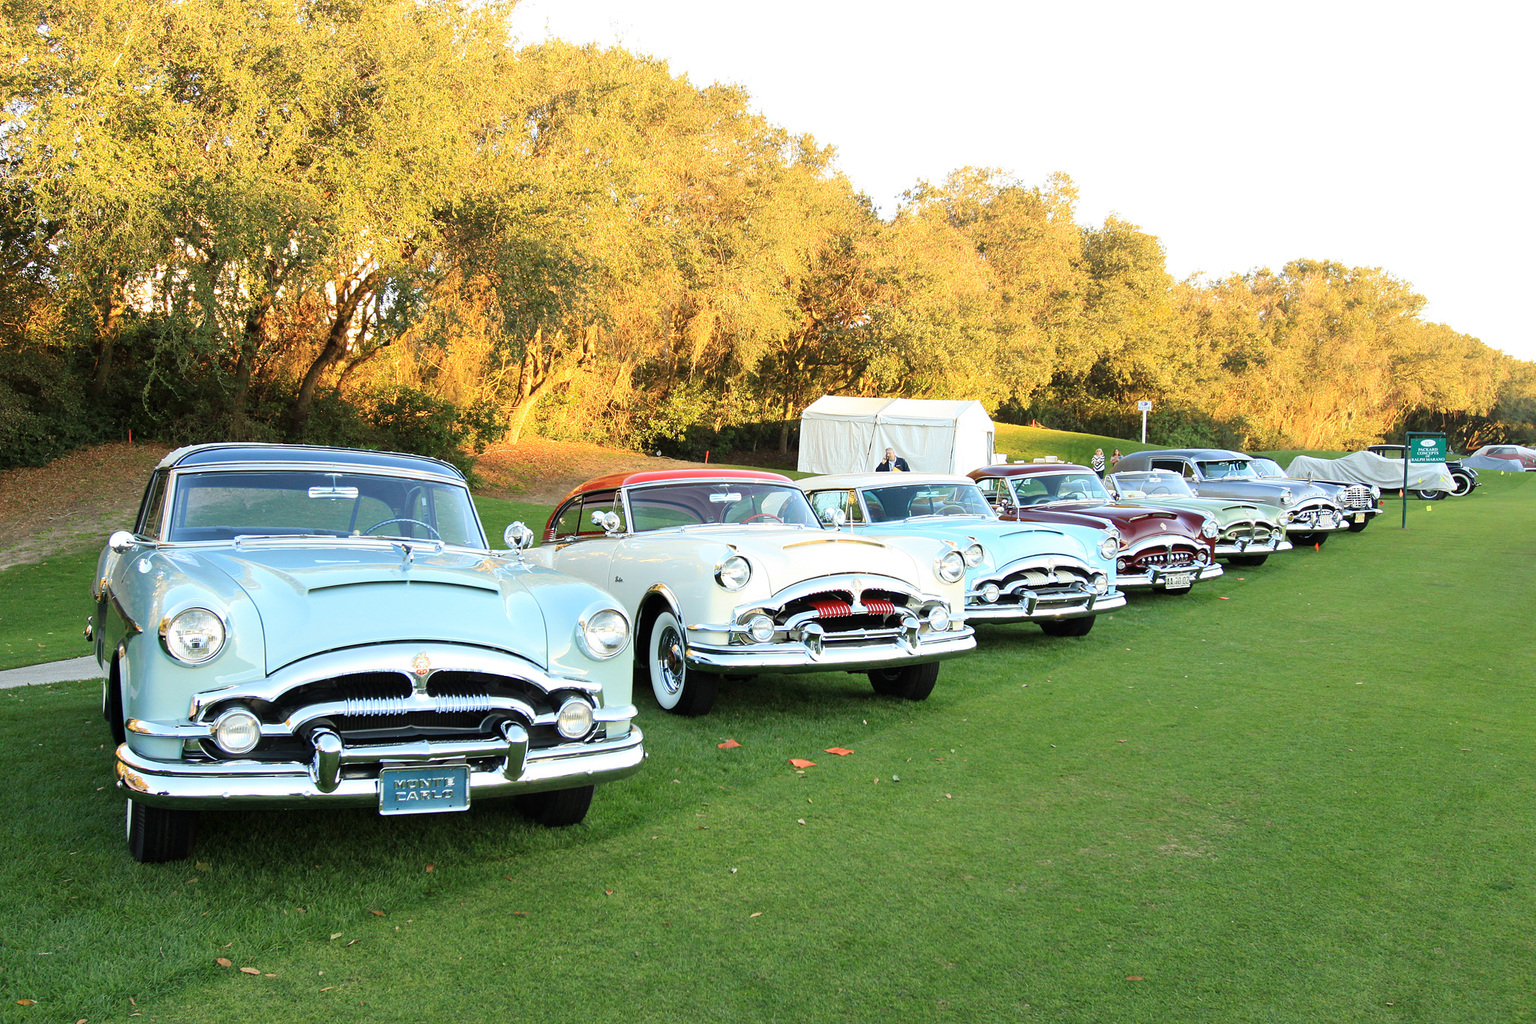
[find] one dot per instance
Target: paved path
(50, 672)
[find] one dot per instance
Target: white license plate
(1359, 517)
(423, 790)
(1178, 580)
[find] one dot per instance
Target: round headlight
(1375, 492)
(1285, 495)
(760, 628)
(990, 593)
(237, 731)
(1209, 529)
(734, 573)
(1100, 583)
(574, 719)
(604, 634)
(1109, 545)
(974, 554)
(193, 636)
(938, 618)
(951, 567)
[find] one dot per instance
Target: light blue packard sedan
(1060, 576)
(291, 626)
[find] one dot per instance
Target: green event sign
(1429, 448)
(1420, 450)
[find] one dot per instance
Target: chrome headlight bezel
(237, 731)
(950, 566)
(575, 719)
(974, 554)
(180, 635)
(1110, 544)
(1285, 496)
(1209, 530)
(604, 634)
(1101, 583)
(734, 573)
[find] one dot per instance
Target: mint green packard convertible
(292, 626)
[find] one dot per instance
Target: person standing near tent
(1098, 462)
(893, 463)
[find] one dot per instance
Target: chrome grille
(1356, 497)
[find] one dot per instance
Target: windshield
(1046, 488)
(1268, 469)
(666, 506)
(1150, 485)
(222, 505)
(906, 501)
(1228, 469)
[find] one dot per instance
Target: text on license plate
(1178, 580)
(423, 790)
(1359, 517)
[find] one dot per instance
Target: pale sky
(1394, 135)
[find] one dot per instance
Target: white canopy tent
(850, 435)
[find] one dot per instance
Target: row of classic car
(293, 626)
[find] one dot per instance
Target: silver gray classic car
(1060, 576)
(728, 573)
(291, 626)
(1311, 514)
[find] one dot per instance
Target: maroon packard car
(1160, 549)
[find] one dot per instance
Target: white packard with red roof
(728, 573)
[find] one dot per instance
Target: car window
(713, 502)
(994, 490)
(825, 501)
(903, 501)
(152, 509)
(574, 519)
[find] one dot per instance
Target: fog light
(1100, 583)
(938, 618)
(990, 593)
(574, 719)
(237, 731)
(760, 628)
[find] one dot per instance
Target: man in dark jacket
(893, 463)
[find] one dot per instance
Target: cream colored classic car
(730, 574)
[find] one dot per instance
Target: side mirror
(608, 522)
(120, 541)
(517, 537)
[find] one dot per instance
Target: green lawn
(1304, 792)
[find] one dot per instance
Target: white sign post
(1145, 408)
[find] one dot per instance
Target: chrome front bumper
(1156, 578)
(827, 652)
(1250, 546)
(323, 781)
(1032, 607)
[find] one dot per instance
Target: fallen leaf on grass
(327, 988)
(728, 745)
(800, 762)
(26, 1002)
(607, 892)
(839, 751)
(431, 868)
(250, 970)
(335, 936)
(1134, 977)
(1223, 599)
(758, 914)
(376, 913)
(224, 961)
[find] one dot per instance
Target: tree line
(380, 222)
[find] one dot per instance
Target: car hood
(1005, 542)
(313, 601)
(1133, 523)
(787, 557)
(1267, 491)
(1224, 511)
